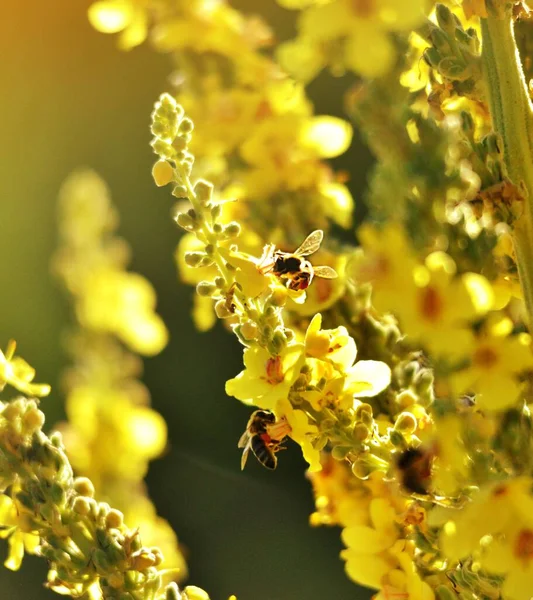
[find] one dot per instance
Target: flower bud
(33, 420)
(405, 399)
(361, 432)
(84, 487)
(185, 221)
(186, 125)
(172, 592)
(206, 288)
(249, 330)
(193, 259)
(204, 191)
(142, 560)
(278, 342)
(406, 423)
(340, 452)
(366, 464)
(114, 519)
(180, 144)
(192, 592)
(162, 172)
(445, 18)
(363, 414)
(222, 311)
(233, 229)
(180, 191)
(81, 505)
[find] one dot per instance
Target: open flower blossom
(16, 372)
(335, 353)
(266, 379)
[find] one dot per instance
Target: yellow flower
(388, 262)
(497, 358)
(266, 379)
(123, 303)
(366, 557)
(302, 432)
(121, 16)
(438, 309)
(347, 34)
(16, 372)
(498, 526)
(15, 527)
(336, 348)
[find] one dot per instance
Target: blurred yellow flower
(438, 309)
(344, 34)
(497, 358)
(498, 527)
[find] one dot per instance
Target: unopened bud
(33, 419)
(193, 259)
(406, 423)
(180, 191)
(279, 342)
(445, 18)
(114, 519)
(363, 413)
(206, 288)
(162, 172)
(191, 592)
(222, 311)
(249, 330)
(340, 452)
(232, 230)
(185, 221)
(84, 487)
(180, 144)
(81, 505)
(361, 432)
(172, 592)
(204, 191)
(186, 125)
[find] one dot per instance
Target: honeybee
(292, 268)
(414, 466)
(263, 436)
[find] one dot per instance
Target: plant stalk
(512, 118)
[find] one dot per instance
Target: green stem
(512, 118)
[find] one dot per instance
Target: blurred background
(70, 98)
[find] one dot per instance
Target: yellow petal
(365, 540)
(480, 291)
(339, 203)
(328, 136)
(367, 570)
(368, 378)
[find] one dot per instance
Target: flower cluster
(45, 510)
(112, 432)
(405, 380)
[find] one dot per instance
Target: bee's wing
(244, 456)
(244, 439)
(325, 272)
(311, 243)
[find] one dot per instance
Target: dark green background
(70, 98)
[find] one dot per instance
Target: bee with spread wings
(292, 268)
